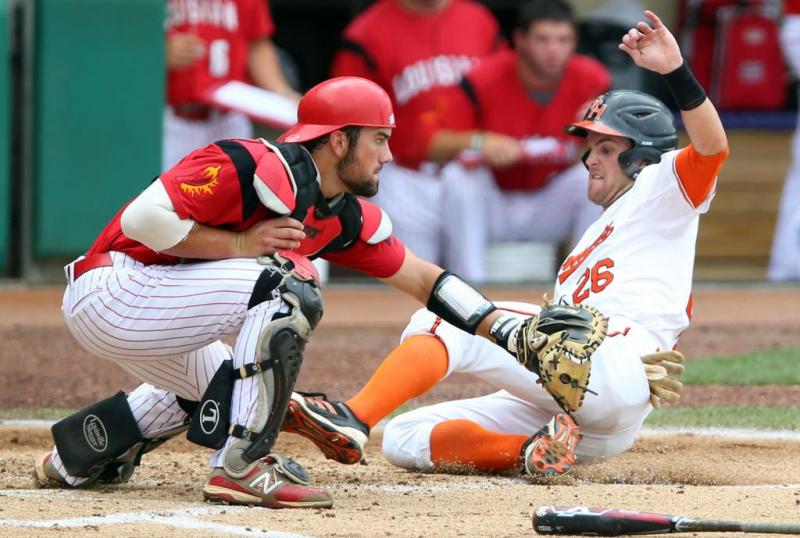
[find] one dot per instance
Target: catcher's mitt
(557, 345)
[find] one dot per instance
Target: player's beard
(354, 178)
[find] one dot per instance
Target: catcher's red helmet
(337, 103)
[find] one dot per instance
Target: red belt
(192, 111)
(90, 262)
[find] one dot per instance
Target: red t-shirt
(208, 187)
(414, 58)
(227, 28)
(501, 104)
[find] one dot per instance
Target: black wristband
(688, 93)
(458, 303)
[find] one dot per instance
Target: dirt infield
(687, 474)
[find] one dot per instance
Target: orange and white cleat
(330, 425)
(551, 450)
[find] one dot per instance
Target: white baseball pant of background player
(785, 257)
(483, 214)
(182, 136)
(449, 215)
(609, 420)
(163, 324)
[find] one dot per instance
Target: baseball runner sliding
(634, 264)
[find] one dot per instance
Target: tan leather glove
(662, 369)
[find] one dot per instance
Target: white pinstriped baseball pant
(163, 324)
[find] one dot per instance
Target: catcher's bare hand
(269, 236)
(652, 46)
(662, 369)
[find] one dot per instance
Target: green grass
(778, 366)
(761, 418)
(43, 413)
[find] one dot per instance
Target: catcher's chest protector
(330, 225)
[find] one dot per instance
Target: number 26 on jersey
(593, 280)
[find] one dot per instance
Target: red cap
(337, 103)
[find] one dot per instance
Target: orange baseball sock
(463, 443)
(411, 369)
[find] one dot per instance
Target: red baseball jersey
(227, 28)
(492, 98)
(415, 57)
(215, 186)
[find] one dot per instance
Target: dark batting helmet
(637, 116)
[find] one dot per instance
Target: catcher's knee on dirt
(281, 346)
(93, 437)
(107, 423)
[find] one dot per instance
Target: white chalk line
(728, 433)
(180, 518)
(713, 431)
(735, 433)
(464, 487)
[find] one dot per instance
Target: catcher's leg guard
(281, 346)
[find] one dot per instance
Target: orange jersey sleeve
(697, 172)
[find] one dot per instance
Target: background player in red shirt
(208, 42)
(509, 111)
(186, 263)
(417, 50)
(784, 261)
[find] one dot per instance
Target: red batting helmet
(337, 103)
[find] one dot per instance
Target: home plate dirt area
(746, 477)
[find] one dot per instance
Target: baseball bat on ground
(581, 520)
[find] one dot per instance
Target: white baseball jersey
(636, 260)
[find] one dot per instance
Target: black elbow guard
(458, 303)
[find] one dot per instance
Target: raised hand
(652, 46)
